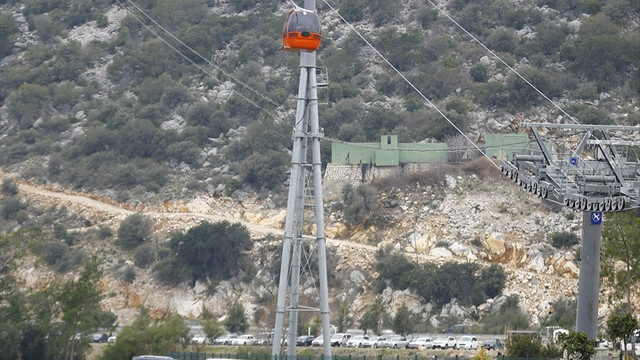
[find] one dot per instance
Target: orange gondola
(301, 31)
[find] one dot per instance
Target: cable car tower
(594, 177)
(301, 33)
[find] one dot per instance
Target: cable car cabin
(301, 31)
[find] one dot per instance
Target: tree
(345, 321)
(372, 318)
(621, 242)
(144, 336)
(564, 314)
(492, 280)
(392, 264)
(134, 230)
(403, 323)
(212, 329)
(211, 250)
(622, 327)
(80, 305)
(577, 345)
(7, 29)
(236, 321)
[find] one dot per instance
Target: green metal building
(388, 152)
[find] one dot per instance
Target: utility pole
(593, 178)
(306, 130)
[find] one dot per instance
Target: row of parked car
(231, 339)
(469, 342)
(465, 342)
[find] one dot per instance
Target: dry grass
(481, 167)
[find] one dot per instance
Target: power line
(235, 79)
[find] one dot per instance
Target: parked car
(199, 339)
(467, 342)
(356, 341)
(242, 340)
(112, 339)
(444, 342)
(225, 339)
(492, 344)
(396, 342)
(304, 340)
(373, 342)
(425, 342)
(319, 341)
(99, 338)
(151, 357)
(340, 339)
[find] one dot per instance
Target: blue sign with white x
(573, 161)
(596, 218)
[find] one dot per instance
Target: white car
(396, 342)
(356, 341)
(319, 341)
(244, 340)
(444, 342)
(420, 342)
(374, 342)
(467, 342)
(340, 339)
(225, 339)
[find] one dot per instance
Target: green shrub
(134, 230)
(479, 73)
(9, 187)
(144, 255)
(207, 251)
(54, 251)
(360, 204)
(10, 206)
(564, 314)
(564, 239)
(129, 275)
(266, 170)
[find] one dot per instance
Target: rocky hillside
(469, 220)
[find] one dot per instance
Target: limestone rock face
(495, 246)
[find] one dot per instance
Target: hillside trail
(181, 215)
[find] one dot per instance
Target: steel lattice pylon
(594, 177)
(306, 130)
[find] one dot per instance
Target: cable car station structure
(594, 177)
(301, 33)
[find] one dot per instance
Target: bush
(479, 73)
(563, 315)
(207, 251)
(265, 170)
(360, 204)
(134, 230)
(564, 239)
(392, 264)
(9, 187)
(54, 251)
(10, 206)
(144, 255)
(129, 275)
(492, 280)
